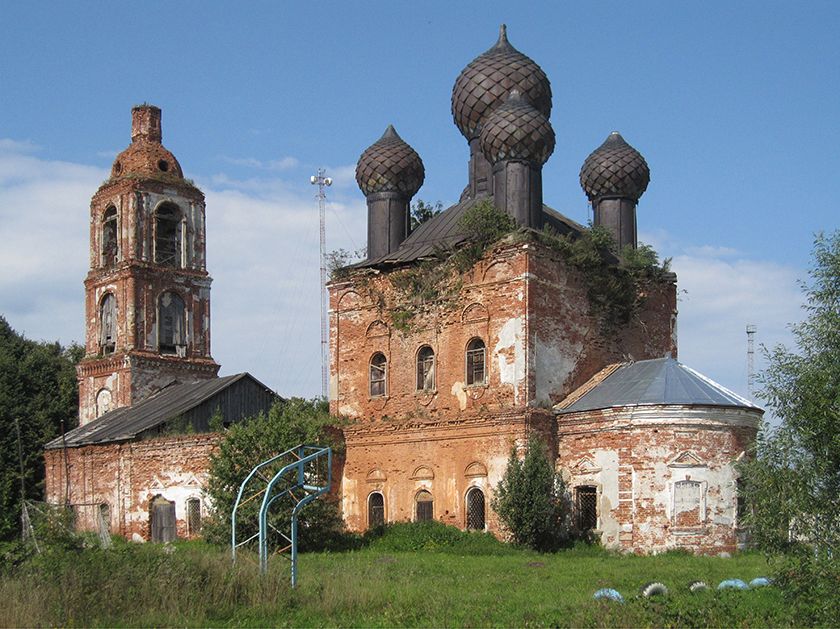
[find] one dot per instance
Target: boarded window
(168, 236)
(376, 510)
(476, 352)
(194, 516)
(108, 324)
(171, 323)
(424, 507)
(586, 507)
(109, 237)
(688, 503)
(475, 509)
(425, 369)
(163, 520)
(378, 365)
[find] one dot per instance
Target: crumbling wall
(127, 477)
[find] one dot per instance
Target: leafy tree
(38, 388)
(249, 443)
(530, 499)
(423, 211)
(793, 482)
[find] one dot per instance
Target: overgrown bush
(530, 500)
(249, 443)
(433, 536)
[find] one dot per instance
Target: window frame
(382, 378)
(110, 224)
(370, 507)
(591, 490)
(425, 364)
(168, 212)
(107, 344)
(470, 364)
(467, 511)
(417, 502)
(174, 348)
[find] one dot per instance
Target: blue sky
(734, 105)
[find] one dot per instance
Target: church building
(444, 364)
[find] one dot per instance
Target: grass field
(474, 582)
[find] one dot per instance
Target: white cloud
(283, 163)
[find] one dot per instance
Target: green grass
(466, 580)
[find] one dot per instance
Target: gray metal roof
(123, 424)
(444, 231)
(657, 381)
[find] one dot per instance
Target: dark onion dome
(390, 165)
(517, 131)
(488, 79)
(615, 169)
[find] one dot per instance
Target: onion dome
(515, 130)
(615, 169)
(488, 79)
(146, 157)
(390, 165)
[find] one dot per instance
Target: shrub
(433, 536)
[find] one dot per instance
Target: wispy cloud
(281, 164)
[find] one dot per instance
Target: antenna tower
(323, 182)
(751, 329)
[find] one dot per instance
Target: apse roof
(444, 231)
(653, 382)
(129, 422)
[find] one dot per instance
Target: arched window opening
(108, 324)
(171, 323)
(378, 366)
(424, 507)
(104, 519)
(425, 369)
(103, 402)
(688, 503)
(586, 507)
(109, 237)
(475, 509)
(376, 510)
(162, 520)
(194, 516)
(476, 373)
(168, 236)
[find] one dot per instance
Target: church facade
(444, 373)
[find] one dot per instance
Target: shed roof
(129, 422)
(444, 232)
(650, 382)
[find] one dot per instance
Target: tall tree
(38, 390)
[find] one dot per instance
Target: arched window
(103, 402)
(476, 373)
(108, 324)
(109, 237)
(423, 506)
(171, 321)
(104, 519)
(378, 366)
(168, 236)
(425, 369)
(376, 510)
(475, 509)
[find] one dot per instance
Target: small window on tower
(475, 362)
(168, 236)
(378, 366)
(171, 323)
(109, 237)
(108, 324)
(426, 369)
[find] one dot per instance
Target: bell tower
(147, 294)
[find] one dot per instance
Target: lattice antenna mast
(323, 182)
(751, 329)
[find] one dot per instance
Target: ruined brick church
(438, 389)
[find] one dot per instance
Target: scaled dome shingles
(615, 169)
(488, 79)
(517, 131)
(390, 165)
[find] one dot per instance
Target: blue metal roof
(657, 381)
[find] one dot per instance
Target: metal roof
(657, 381)
(444, 231)
(126, 423)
